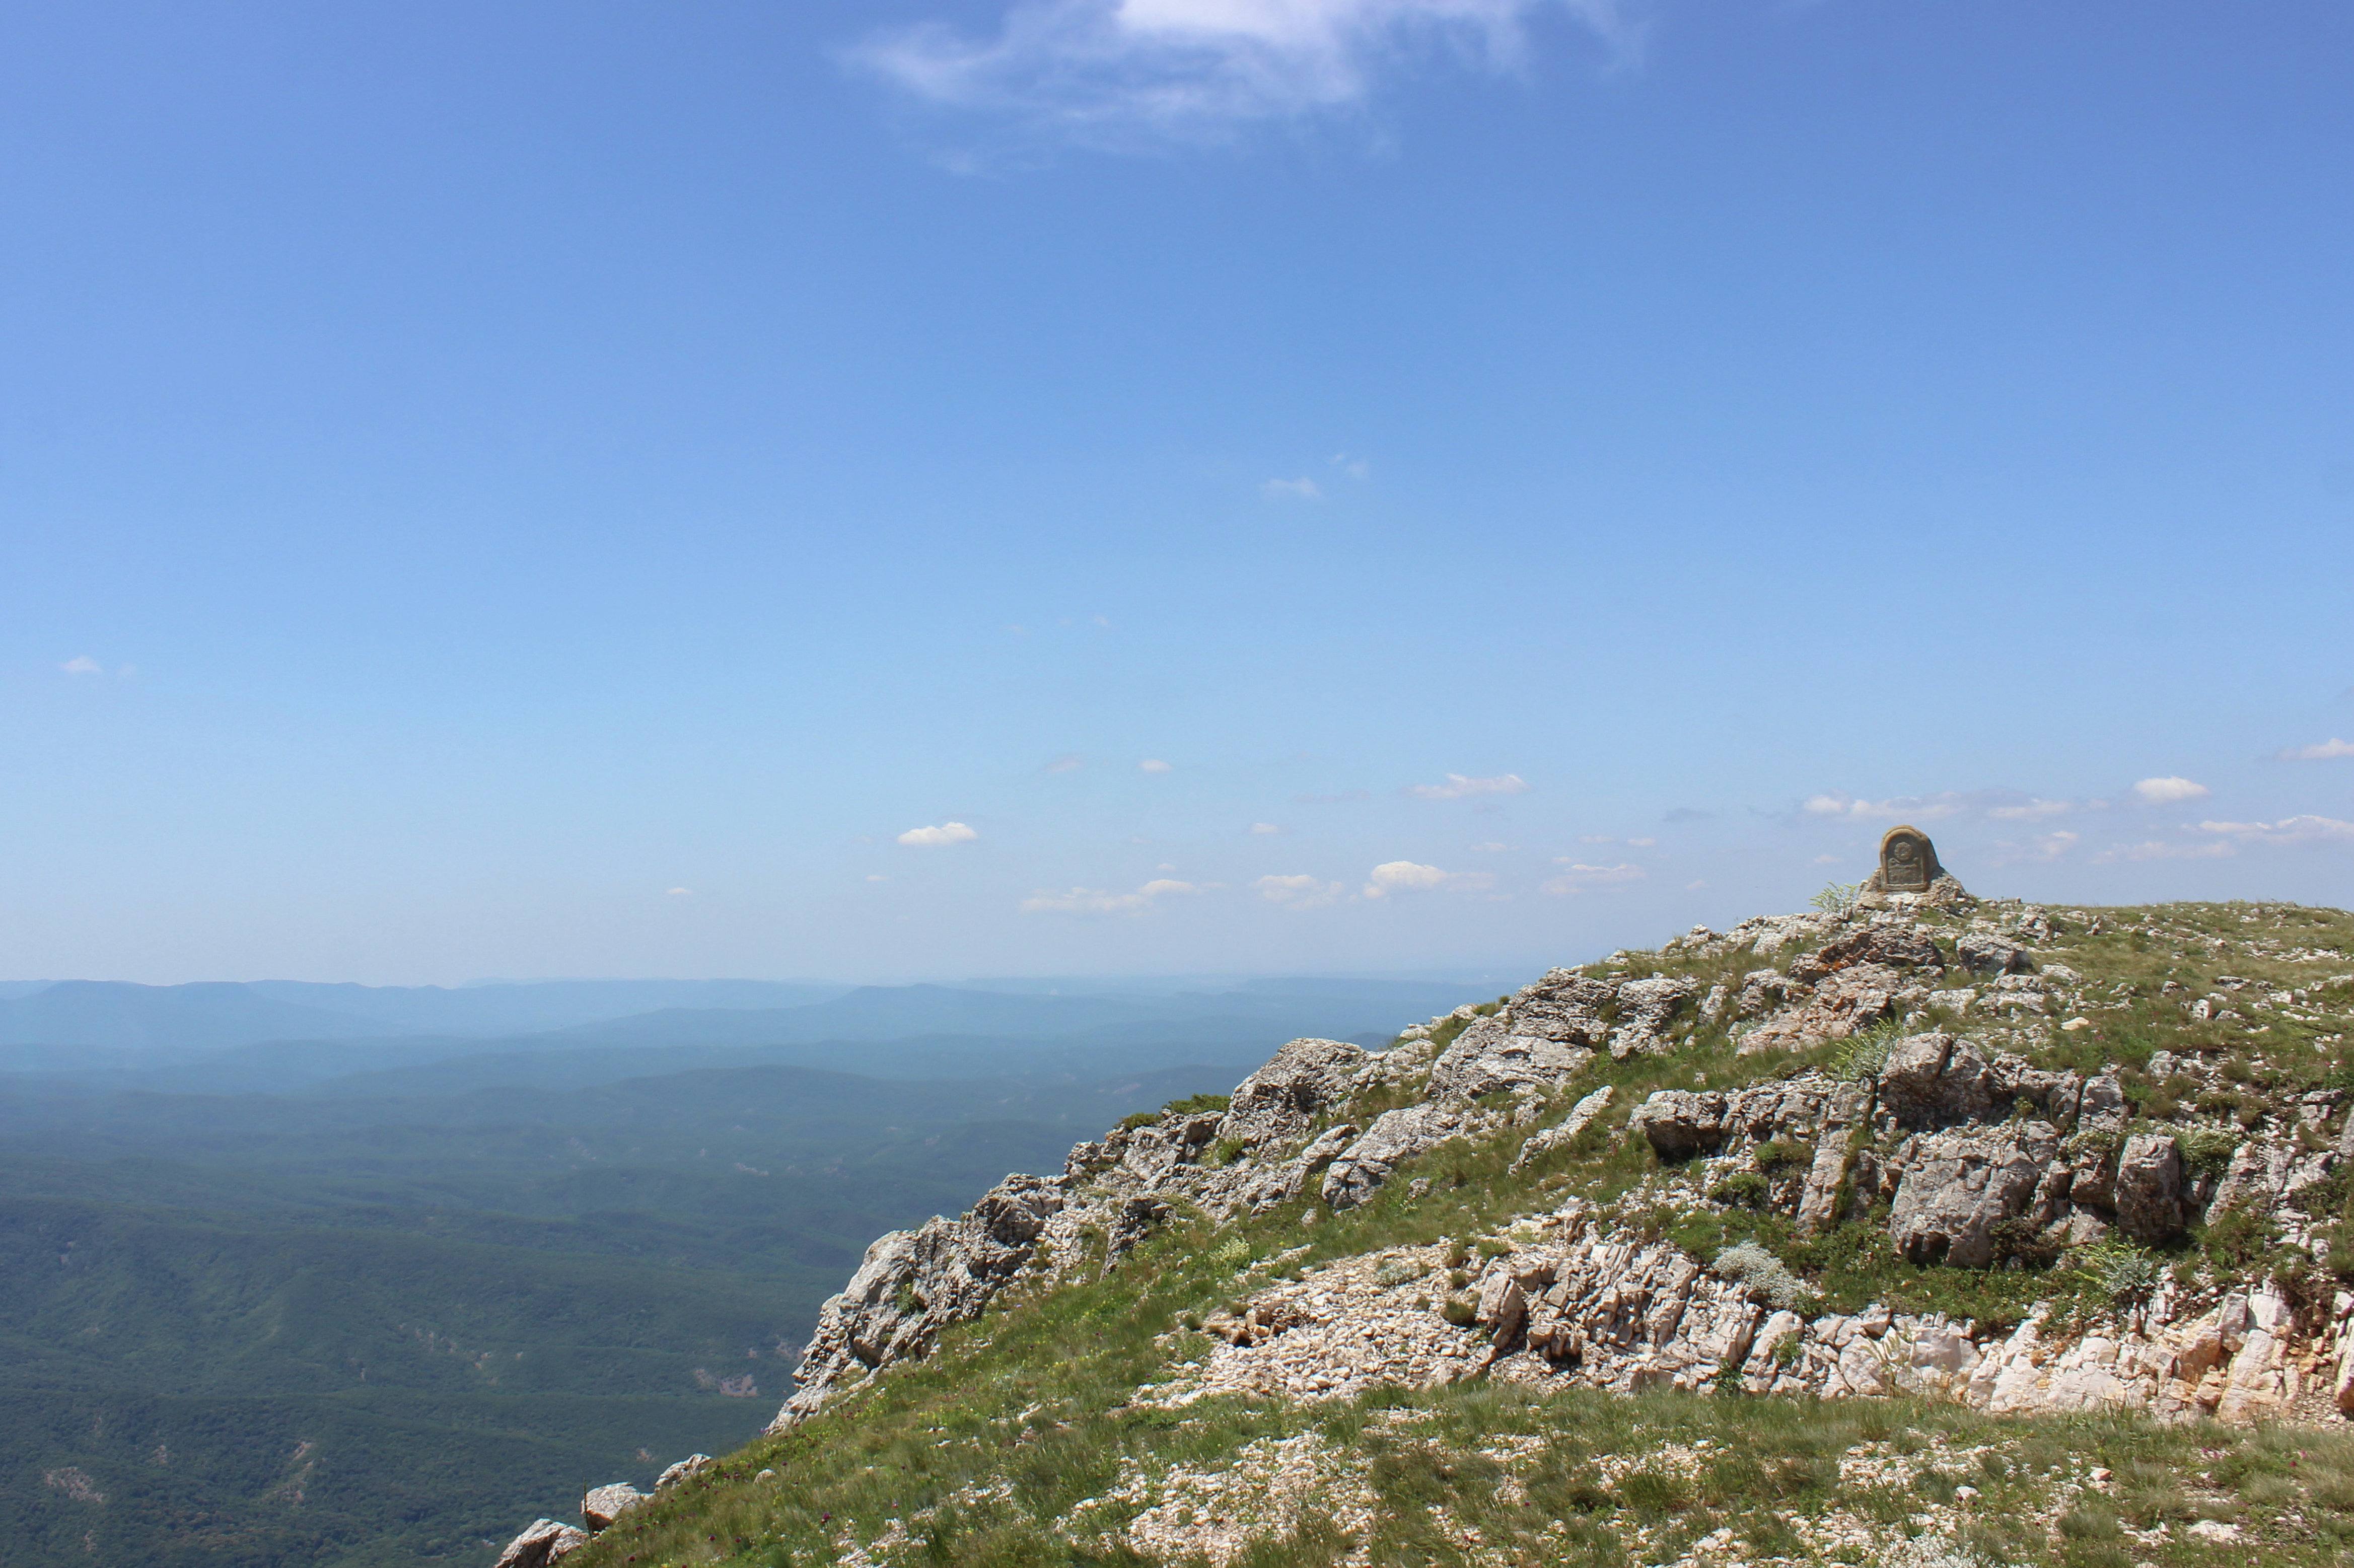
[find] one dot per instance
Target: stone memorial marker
(1908, 860)
(1908, 865)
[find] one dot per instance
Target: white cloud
(1095, 901)
(1492, 849)
(1896, 808)
(1405, 876)
(1576, 877)
(2051, 846)
(1356, 468)
(2287, 831)
(2155, 850)
(2166, 792)
(1827, 859)
(1457, 787)
(2030, 811)
(877, 877)
(1598, 839)
(1069, 762)
(935, 838)
(1300, 489)
(2327, 748)
(1152, 765)
(1641, 844)
(82, 664)
(1265, 828)
(1136, 72)
(1298, 892)
(679, 892)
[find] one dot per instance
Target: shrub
(2123, 1272)
(1864, 1053)
(1741, 1190)
(1461, 1310)
(1762, 1274)
(1837, 898)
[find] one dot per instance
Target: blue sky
(568, 489)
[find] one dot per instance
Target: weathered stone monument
(1908, 865)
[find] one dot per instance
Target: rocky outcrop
(1954, 1188)
(603, 1505)
(1289, 1096)
(1582, 1302)
(913, 1283)
(1394, 1137)
(541, 1542)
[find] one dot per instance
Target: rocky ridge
(1924, 1071)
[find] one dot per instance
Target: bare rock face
(1646, 1009)
(1934, 1080)
(1847, 1000)
(541, 1542)
(1565, 1007)
(605, 1504)
(1989, 952)
(685, 1469)
(1956, 1187)
(1895, 944)
(1682, 1123)
(2149, 1189)
(1580, 1116)
(1283, 1099)
(1394, 1137)
(912, 1283)
(1493, 1054)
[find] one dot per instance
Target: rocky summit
(1914, 1228)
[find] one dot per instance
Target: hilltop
(1919, 1229)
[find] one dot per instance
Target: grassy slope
(985, 1450)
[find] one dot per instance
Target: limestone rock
(1989, 952)
(912, 1283)
(1957, 1186)
(1492, 1055)
(1646, 1009)
(1283, 1099)
(2149, 1189)
(1847, 1000)
(1934, 1080)
(1580, 1117)
(1396, 1137)
(607, 1503)
(691, 1465)
(541, 1542)
(1893, 943)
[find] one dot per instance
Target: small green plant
(1461, 1310)
(1864, 1053)
(1742, 1190)
(1837, 897)
(2122, 1272)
